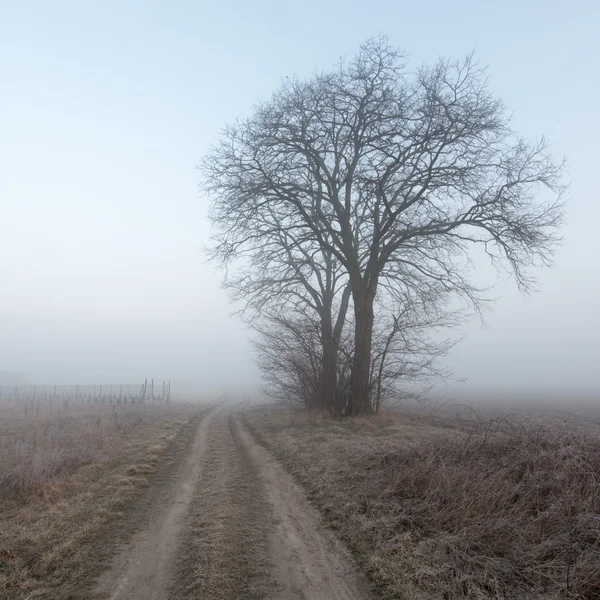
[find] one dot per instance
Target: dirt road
(234, 525)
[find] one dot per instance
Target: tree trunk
(360, 401)
(328, 379)
(384, 354)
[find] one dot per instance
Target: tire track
(225, 555)
(309, 562)
(235, 527)
(144, 568)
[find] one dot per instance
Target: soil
(233, 525)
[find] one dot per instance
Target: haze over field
(106, 111)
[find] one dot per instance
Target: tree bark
(329, 397)
(360, 401)
(328, 379)
(384, 354)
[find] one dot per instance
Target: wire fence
(38, 399)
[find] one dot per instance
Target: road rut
(144, 568)
(235, 526)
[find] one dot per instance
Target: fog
(106, 110)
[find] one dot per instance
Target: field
(440, 506)
(171, 501)
(70, 478)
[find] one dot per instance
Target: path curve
(234, 525)
(309, 561)
(144, 568)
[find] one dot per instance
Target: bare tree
(407, 347)
(290, 356)
(406, 350)
(278, 269)
(396, 174)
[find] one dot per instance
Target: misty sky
(107, 108)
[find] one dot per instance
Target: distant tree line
(346, 209)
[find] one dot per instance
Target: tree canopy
(378, 179)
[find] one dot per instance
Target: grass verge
(60, 531)
(506, 509)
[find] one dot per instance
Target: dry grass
(34, 450)
(445, 509)
(224, 552)
(72, 485)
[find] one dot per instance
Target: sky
(106, 109)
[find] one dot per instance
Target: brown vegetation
(69, 482)
(251, 534)
(453, 509)
(35, 450)
(225, 551)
